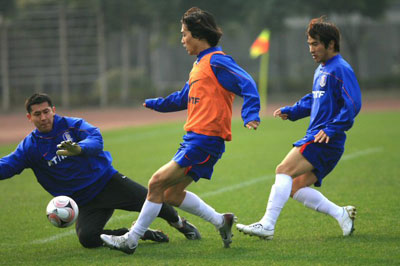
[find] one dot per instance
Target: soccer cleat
(346, 222)
(256, 229)
(122, 243)
(189, 230)
(226, 229)
(155, 235)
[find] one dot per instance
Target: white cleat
(256, 229)
(346, 222)
(122, 243)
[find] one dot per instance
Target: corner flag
(261, 47)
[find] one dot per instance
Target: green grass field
(368, 176)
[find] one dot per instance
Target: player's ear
(53, 109)
(331, 45)
(29, 116)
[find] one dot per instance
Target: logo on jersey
(66, 136)
(56, 159)
(318, 94)
(194, 100)
(322, 81)
(191, 84)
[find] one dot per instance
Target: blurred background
(103, 53)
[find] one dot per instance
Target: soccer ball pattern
(62, 211)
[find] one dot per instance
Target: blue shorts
(198, 163)
(323, 156)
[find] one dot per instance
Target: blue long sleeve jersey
(233, 78)
(80, 177)
(333, 104)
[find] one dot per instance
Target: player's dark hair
(37, 98)
(202, 25)
(324, 31)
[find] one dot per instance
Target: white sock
(279, 195)
(314, 199)
(194, 205)
(147, 215)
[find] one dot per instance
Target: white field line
(361, 153)
(215, 192)
(236, 186)
(53, 238)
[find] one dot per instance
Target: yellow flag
(260, 45)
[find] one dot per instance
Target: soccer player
(332, 106)
(208, 96)
(66, 155)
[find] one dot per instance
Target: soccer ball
(62, 211)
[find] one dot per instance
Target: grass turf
(367, 177)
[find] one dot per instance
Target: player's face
(42, 116)
(318, 51)
(192, 45)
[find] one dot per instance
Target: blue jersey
(333, 104)
(80, 177)
(233, 78)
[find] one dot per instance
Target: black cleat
(226, 229)
(189, 230)
(155, 235)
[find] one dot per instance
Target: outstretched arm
(176, 101)
(14, 163)
(299, 110)
(278, 113)
(89, 142)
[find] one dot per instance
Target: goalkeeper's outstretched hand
(68, 148)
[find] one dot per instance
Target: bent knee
(155, 182)
(173, 197)
(295, 188)
(283, 168)
(168, 196)
(90, 239)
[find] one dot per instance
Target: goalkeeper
(66, 155)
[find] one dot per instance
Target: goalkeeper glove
(69, 148)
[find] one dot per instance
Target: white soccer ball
(62, 211)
